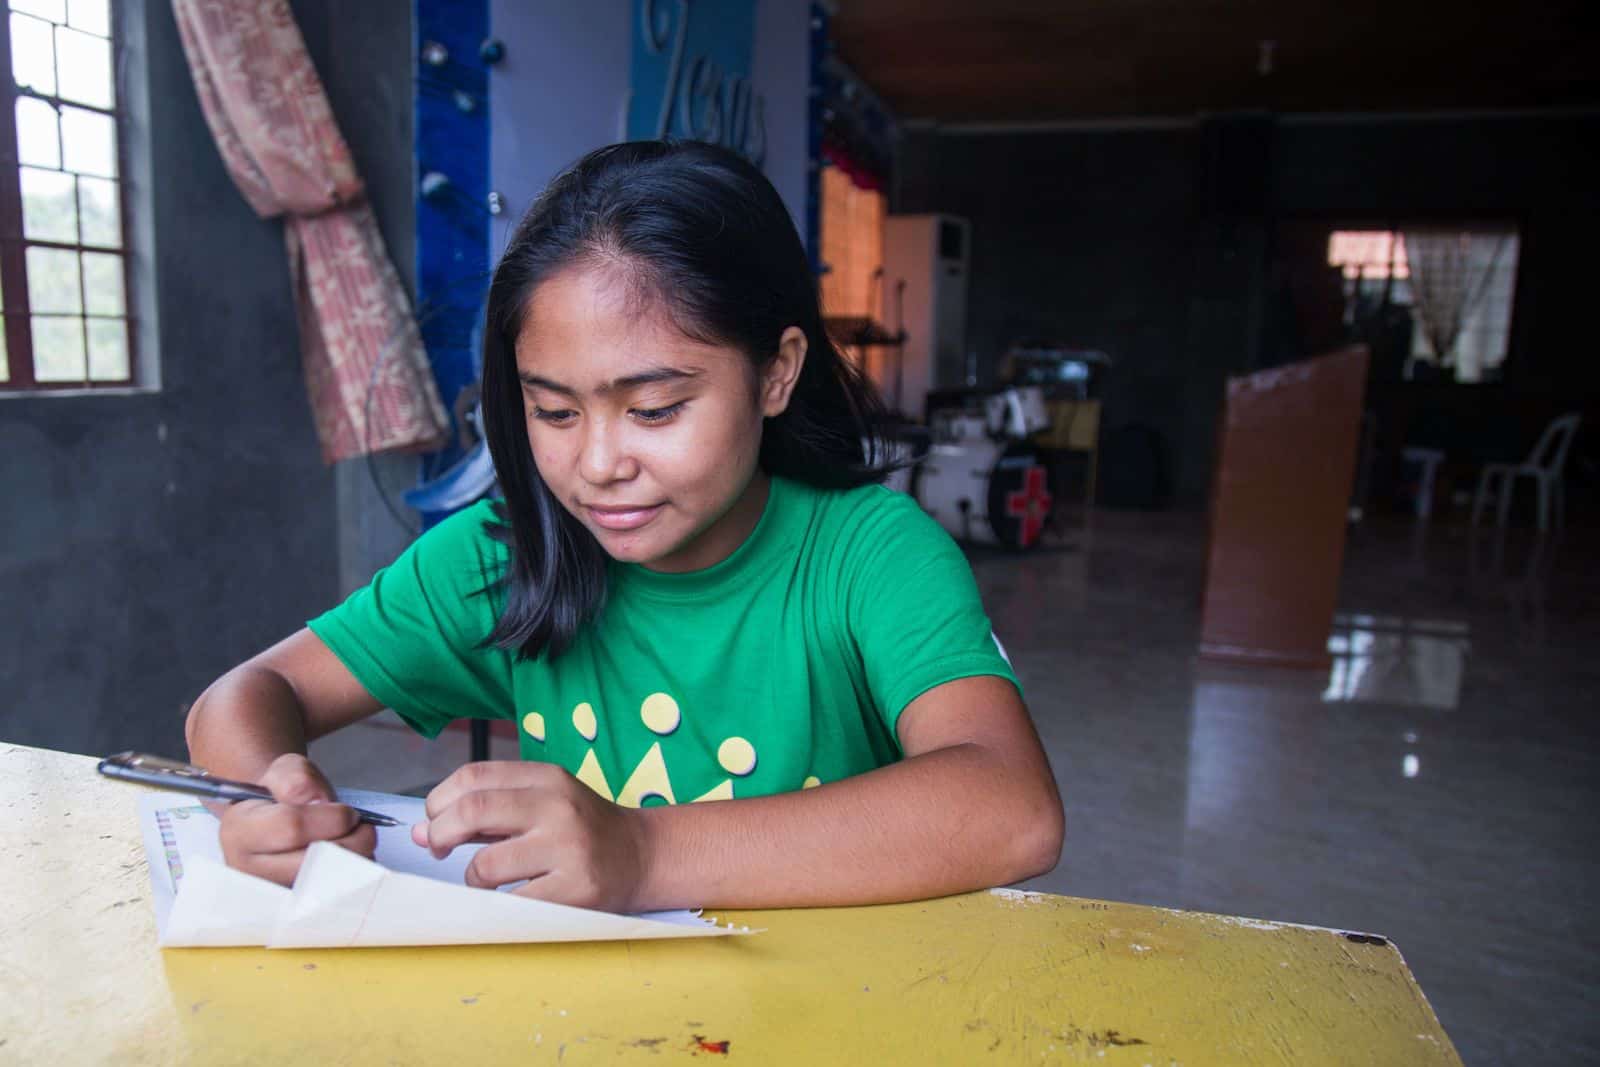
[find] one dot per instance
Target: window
(63, 262)
(852, 246)
(1376, 254)
(851, 286)
(1471, 274)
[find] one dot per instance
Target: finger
(294, 779)
(236, 817)
(506, 861)
(241, 836)
(264, 829)
(483, 813)
(280, 867)
(363, 840)
(419, 836)
(495, 774)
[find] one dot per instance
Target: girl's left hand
(573, 846)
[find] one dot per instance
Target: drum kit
(980, 478)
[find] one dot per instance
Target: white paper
(339, 899)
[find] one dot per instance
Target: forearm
(245, 720)
(947, 821)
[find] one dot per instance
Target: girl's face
(648, 437)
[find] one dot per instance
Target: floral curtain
(1449, 272)
(367, 374)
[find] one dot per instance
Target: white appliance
(926, 261)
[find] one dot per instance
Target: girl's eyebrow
(617, 385)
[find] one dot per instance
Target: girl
(693, 591)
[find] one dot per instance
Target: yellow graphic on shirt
(583, 720)
(649, 779)
(660, 713)
(724, 791)
(592, 776)
(737, 756)
(662, 716)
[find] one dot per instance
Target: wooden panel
(1279, 502)
(1004, 977)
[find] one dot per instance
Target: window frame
(21, 377)
(1514, 226)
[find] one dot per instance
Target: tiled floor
(1435, 786)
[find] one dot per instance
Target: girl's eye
(556, 417)
(655, 416)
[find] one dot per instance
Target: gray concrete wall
(150, 541)
(1079, 238)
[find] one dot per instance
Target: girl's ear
(782, 371)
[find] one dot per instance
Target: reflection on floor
(1397, 661)
(1436, 786)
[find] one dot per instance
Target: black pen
(187, 778)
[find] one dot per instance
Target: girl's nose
(605, 457)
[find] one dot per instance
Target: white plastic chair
(1543, 465)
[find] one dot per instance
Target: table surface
(1001, 977)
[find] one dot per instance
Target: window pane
(93, 16)
(38, 139)
(99, 213)
(53, 281)
(88, 142)
(49, 210)
(102, 284)
(85, 68)
(58, 349)
(108, 350)
(33, 58)
(54, 10)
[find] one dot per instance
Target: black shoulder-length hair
(704, 238)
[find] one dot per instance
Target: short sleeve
(913, 608)
(411, 637)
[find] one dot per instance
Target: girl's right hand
(269, 838)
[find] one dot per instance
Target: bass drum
(985, 492)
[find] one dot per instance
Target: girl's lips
(622, 518)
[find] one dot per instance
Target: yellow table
(1001, 978)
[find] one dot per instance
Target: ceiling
(1031, 60)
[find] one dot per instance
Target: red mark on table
(702, 1045)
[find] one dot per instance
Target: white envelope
(341, 899)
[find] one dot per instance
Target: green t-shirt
(784, 665)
